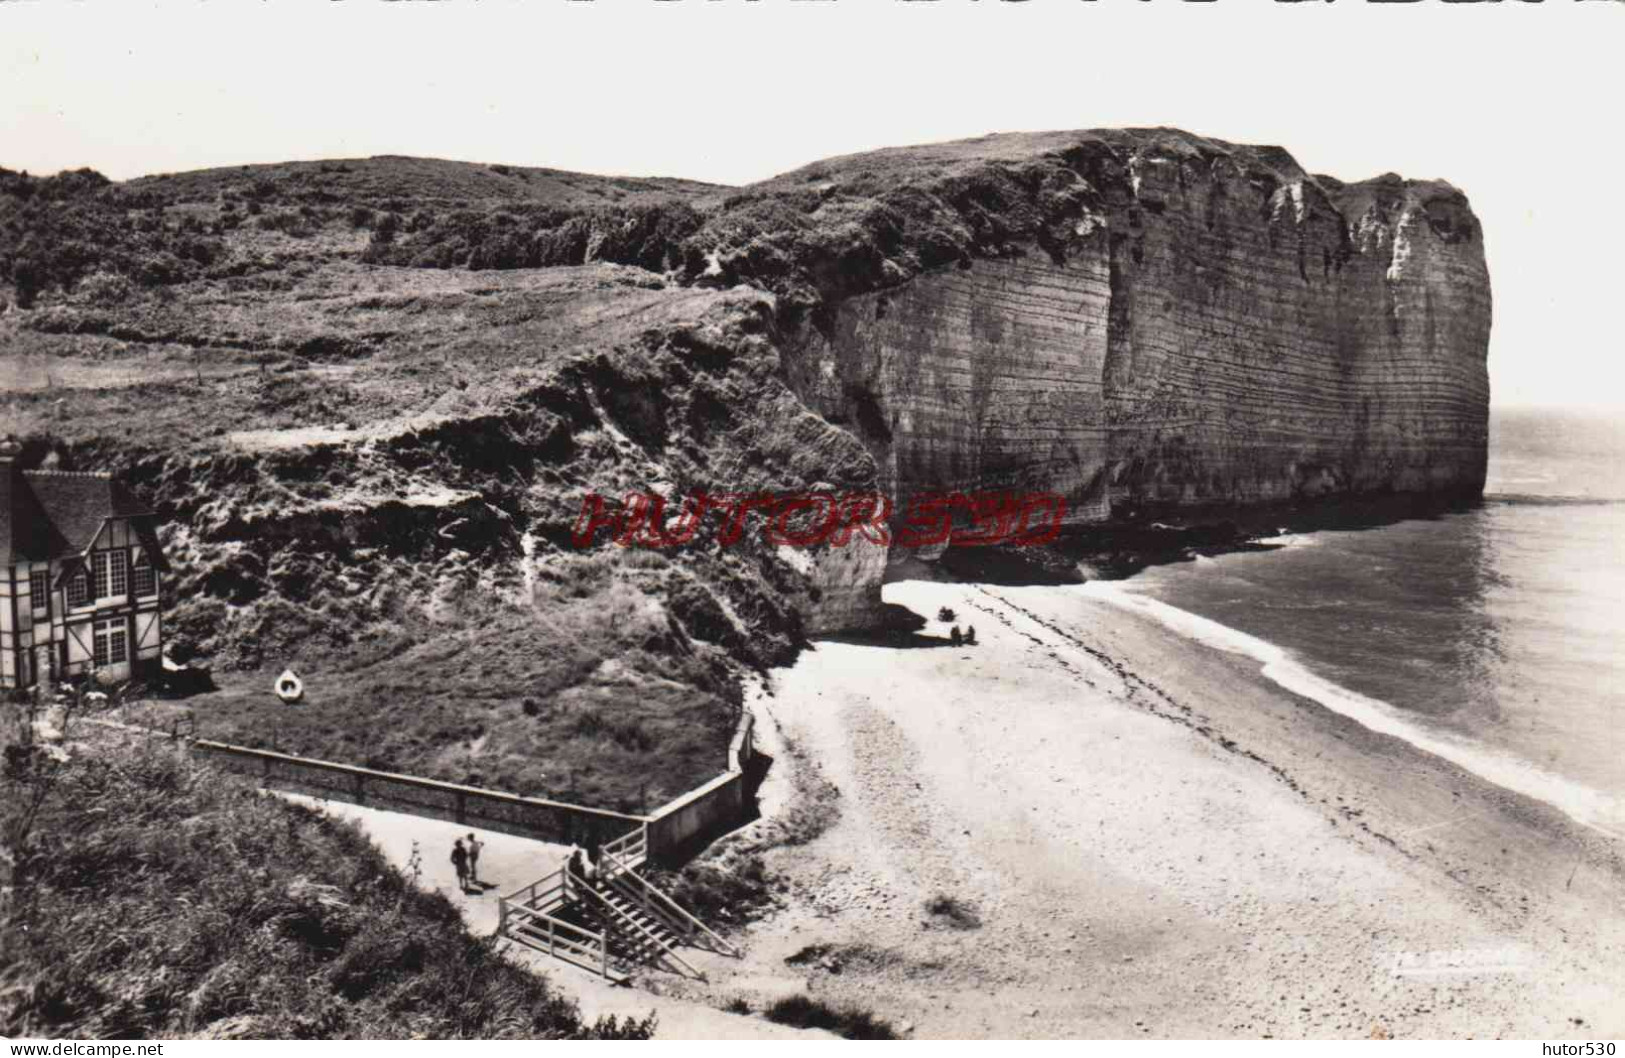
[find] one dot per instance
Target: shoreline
(1157, 840)
(1582, 804)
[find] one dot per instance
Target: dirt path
(1146, 839)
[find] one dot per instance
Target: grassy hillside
(386, 181)
(368, 397)
(371, 473)
(164, 899)
(78, 232)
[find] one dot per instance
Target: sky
(1515, 103)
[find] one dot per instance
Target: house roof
(46, 514)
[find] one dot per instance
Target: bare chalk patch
(1462, 962)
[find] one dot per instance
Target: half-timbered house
(81, 580)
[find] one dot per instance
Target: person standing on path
(459, 860)
(474, 847)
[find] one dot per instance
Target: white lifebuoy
(289, 687)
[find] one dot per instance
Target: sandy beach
(1142, 836)
(1123, 833)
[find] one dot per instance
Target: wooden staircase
(615, 925)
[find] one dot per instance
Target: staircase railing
(617, 869)
(540, 892)
(669, 909)
(563, 938)
(632, 847)
(627, 921)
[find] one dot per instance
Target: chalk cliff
(1150, 321)
(368, 398)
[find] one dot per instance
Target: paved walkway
(508, 862)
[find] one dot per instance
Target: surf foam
(1584, 805)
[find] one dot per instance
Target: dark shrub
(854, 1023)
(956, 912)
(383, 233)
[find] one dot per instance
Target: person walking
(474, 847)
(459, 860)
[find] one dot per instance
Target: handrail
(635, 924)
(641, 901)
(558, 923)
(531, 888)
(554, 942)
(635, 838)
(623, 870)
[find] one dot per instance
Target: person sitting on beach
(970, 635)
(955, 638)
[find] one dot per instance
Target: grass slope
(161, 898)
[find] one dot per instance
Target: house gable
(57, 527)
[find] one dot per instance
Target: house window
(39, 586)
(112, 642)
(99, 564)
(145, 578)
(118, 572)
(78, 589)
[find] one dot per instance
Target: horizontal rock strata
(1218, 329)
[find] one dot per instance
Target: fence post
(360, 789)
(603, 950)
(651, 840)
(550, 936)
(502, 917)
(462, 807)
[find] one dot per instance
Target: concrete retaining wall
(709, 809)
(505, 813)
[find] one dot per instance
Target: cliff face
(369, 397)
(1196, 325)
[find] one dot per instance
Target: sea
(1492, 636)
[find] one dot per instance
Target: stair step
(638, 929)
